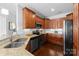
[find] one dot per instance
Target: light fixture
(4, 11)
(52, 9)
(33, 15)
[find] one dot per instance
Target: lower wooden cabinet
(55, 39)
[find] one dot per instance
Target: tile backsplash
(58, 31)
(29, 31)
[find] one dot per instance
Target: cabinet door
(25, 18)
(46, 24)
(50, 24)
(32, 20)
(54, 24)
(28, 19)
(40, 20)
(69, 16)
(60, 23)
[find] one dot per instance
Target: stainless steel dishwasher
(34, 44)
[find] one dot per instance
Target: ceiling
(45, 8)
(11, 7)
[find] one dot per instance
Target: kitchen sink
(17, 43)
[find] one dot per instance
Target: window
(2, 26)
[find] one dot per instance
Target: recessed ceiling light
(52, 9)
(4, 11)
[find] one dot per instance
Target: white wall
(19, 17)
(2, 26)
(9, 18)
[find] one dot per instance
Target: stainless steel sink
(17, 43)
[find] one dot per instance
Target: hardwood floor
(49, 49)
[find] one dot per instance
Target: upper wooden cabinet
(60, 23)
(40, 20)
(70, 16)
(56, 23)
(28, 19)
(47, 25)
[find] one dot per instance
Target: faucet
(11, 38)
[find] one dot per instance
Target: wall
(19, 17)
(2, 26)
(9, 18)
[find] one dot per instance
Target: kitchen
(53, 29)
(38, 29)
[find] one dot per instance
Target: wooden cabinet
(56, 23)
(40, 21)
(76, 29)
(54, 26)
(60, 23)
(69, 16)
(55, 39)
(28, 19)
(47, 23)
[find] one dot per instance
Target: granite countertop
(19, 51)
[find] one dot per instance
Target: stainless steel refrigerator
(68, 37)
